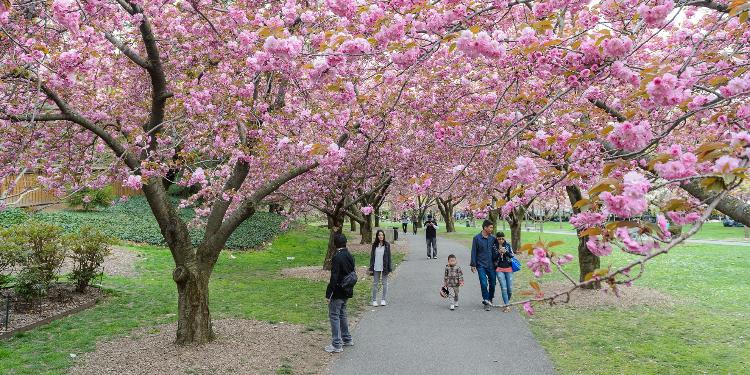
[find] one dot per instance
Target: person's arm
(445, 277)
(460, 273)
(511, 253)
(473, 263)
(387, 260)
(372, 257)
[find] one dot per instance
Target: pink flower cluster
(133, 181)
(661, 221)
(682, 167)
(355, 46)
(481, 44)
(726, 164)
(367, 210)
(598, 247)
(631, 245)
(665, 90)
(632, 201)
(683, 218)
(736, 86)
(65, 13)
(342, 8)
(565, 259)
(406, 58)
(624, 74)
(283, 47)
(617, 47)
(198, 177)
(654, 15)
(540, 263)
(585, 220)
(525, 172)
(631, 136)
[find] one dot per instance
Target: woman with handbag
(380, 266)
(504, 268)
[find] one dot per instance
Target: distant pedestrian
(430, 229)
(380, 266)
(482, 249)
(338, 293)
(453, 279)
(404, 223)
(414, 223)
(504, 268)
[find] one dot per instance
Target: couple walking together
(491, 258)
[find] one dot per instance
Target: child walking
(453, 279)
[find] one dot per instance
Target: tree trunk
(334, 226)
(515, 223)
(365, 229)
(493, 216)
(193, 317)
(588, 262)
(377, 217)
(353, 224)
(446, 211)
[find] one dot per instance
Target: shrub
(10, 253)
(42, 252)
(12, 216)
(90, 198)
(30, 284)
(88, 248)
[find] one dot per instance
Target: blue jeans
(506, 284)
(339, 324)
(487, 276)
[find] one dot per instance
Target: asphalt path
(418, 334)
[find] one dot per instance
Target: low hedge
(133, 221)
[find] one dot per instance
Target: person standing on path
(414, 223)
(380, 266)
(453, 279)
(483, 248)
(404, 223)
(504, 268)
(342, 264)
(430, 229)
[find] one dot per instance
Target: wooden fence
(37, 195)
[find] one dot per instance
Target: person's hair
(451, 257)
(339, 240)
(377, 240)
(500, 234)
(487, 223)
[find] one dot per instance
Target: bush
(88, 248)
(12, 216)
(10, 253)
(42, 253)
(30, 284)
(90, 198)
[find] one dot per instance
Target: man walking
(482, 251)
(342, 264)
(430, 228)
(404, 222)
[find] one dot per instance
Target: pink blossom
(741, 138)
(355, 46)
(283, 47)
(540, 263)
(654, 15)
(565, 259)
(406, 58)
(631, 136)
(736, 86)
(598, 247)
(65, 12)
(367, 210)
(133, 182)
(198, 177)
(478, 45)
(631, 245)
(585, 220)
(624, 74)
(528, 308)
(617, 47)
(665, 90)
(342, 8)
(726, 164)
(683, 167)
(661, 221)
(683, 218)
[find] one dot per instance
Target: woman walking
(380, 266)
(504, 268)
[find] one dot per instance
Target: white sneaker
(453, 307)
(455, 304)
(374, 304)
(382, 303)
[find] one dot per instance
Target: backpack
(349, 281)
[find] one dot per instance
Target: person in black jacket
(503, 267)
(430, 229)
(342, 264)
(380, 266)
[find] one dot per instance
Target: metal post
(7, 311)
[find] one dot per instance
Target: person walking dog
(380, 267)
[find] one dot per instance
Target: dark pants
(431, 247)
(405, 226)
(414, 227)
(339, 324)
(487, 276)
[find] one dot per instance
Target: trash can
(395, 234)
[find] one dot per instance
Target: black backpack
(349, 281)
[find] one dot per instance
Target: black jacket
(430, 230)
(503, 256)
(386, 257)
(342, 264)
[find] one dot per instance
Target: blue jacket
(482, 251)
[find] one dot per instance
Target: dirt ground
(60, 298)
(628, 296)
(241, 347)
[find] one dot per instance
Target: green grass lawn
(706, 332)
(247, 286)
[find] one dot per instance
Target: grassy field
(246, 286)
(705, 332)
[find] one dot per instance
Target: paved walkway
(417, 333)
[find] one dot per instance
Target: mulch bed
(60, 299)
(241, 347)
(628, 296)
